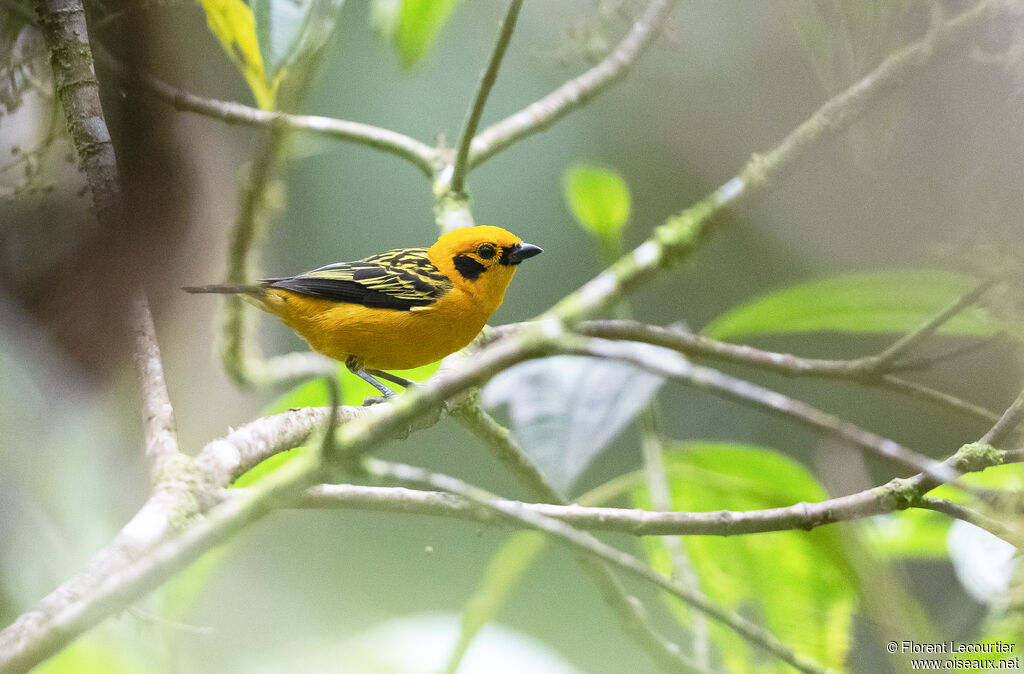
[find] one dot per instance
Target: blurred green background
(930, 177)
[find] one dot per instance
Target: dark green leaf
(876, 301)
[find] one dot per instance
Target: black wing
(399, 279)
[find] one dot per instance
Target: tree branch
(724, 386)
(895, 353)
(67, 36)
(627, 609)
(679, 235)
(157, 413)
(420, 155)
(861, 370)
(896, 495)
(1007, 423)
(487, 79)
(575, 93)
(971, 516)
(586, 543)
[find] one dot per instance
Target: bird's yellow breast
(384, 339)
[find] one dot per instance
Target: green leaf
(564, 410)
(876, 301)
(231, 21)
(91, 654)
(412, 25)
(505, 569)
(794, 582)
(598, 198)
(924, 534)
(909, 534)
(353, 390)
(292, 30)
(314, 393)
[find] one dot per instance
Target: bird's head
(481, 260)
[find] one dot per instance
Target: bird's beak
(520, 252)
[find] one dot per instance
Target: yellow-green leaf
(233, 24)
(797, 583)
(412, 25)
(887, 300)
(598, 198)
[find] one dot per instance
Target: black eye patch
(468, 267)
(486, 251)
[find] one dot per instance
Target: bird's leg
(393, 378)
(355, 366)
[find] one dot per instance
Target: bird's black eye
(486, 251)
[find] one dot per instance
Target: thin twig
(898, 494)
(922, 392)
(1007, 423)
(885, 360)
(629, 611)
(725, 386)
(586, 543)
(158, 415)
(573, 94)
(860, 370)
(971, 516)
(419, 154)
(659, 490)
(487, 79)
(679, 235)
(503, 446)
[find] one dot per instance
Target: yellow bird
(399, 309)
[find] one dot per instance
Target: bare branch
(586, 543)
(157, 413)
(630, 612)
(800, 516)
(487, 79)
(67, 36)
(725, 386)
(887, 358)
(860, 370)
(680, 234)
(420, 155)
(660, 492)
(922, 392)
(573, 94)
(1007, 423)
(971, 516)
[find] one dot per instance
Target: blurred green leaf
(353, 389)
(875, 301)
(267, 466)
(598, 198)
(564, 410)
(504, 570)
(91, 655)
(420, 643)
(231, 21)
(911, 534)
(291, 30)
(314, 393)
(794, 582)
(412, 25)
(924, 534)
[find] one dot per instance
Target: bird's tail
(226, 289)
